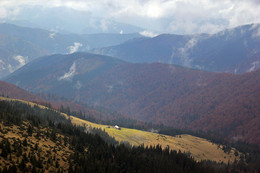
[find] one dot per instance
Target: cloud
(52, 35)
(104, 24)
(78, 85)
(148, 34)
(22, 60)
(256, 30)
(75, 47)
(70, 74)
(185, 52)
(8, 11)
(177, 16)
(109, 88)
(2, 65)
(254, 66)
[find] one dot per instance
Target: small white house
(117, 127)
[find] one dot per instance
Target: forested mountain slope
(158, 93)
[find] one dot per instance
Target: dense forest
(88, 152)
(249, 161)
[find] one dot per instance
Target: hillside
(58, 102)
(35, 139)
(157, 93)
(12, 91)
(199, 148)
(234, 50)
(63, 73)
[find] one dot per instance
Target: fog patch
(75, 47)
(78, 85)
(256, 32)
(11, 68)
(104, 25)
(254, 66)
(171, 68)
(236, 70)
(184, 52)
(52, 35)
(148, 34)
(70, 74)
(2, 64)
(20, 61)
(109, 88)
(201, 82)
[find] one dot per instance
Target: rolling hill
(234, 50)
(158, 93)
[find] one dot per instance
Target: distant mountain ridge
(156, 92)
(233, 50)
(20, 45)
(68, 20)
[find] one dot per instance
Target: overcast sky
(175, 16)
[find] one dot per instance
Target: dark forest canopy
(90, 152)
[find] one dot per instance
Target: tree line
(91, 153)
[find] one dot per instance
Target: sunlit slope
(199, 148)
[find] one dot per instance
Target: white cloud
(52, 35)
(104, 24)
(8, 11)
(75, 47)
(78, 85)
(256, 30)
(21, 60)
(148, 34)
(2, 65)
(70, 74)
(181, 16)
(184, 51)
(254, 66)
(121, 32)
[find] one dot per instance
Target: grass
(199, 148)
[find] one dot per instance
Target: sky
(168, 16)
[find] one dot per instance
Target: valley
(151, 92)
(130, 86)
(199, 148)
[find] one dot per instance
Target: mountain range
(20, 45)
(153, 92)
(233, 50)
